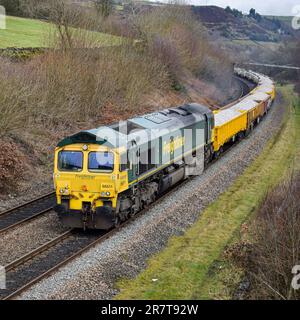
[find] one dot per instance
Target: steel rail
(14, 264)
(17, 224)
(26, 203)
(102, 238)
(7, 214)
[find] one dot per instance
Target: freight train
(106, 175)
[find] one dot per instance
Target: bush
(175, 34)
(80, 83)
(20, 54)
(277, 243)
(61, 87)
(163, 50)
(14, 96)
(11, 165)
(73, 82)
(13, 7)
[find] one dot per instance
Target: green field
(183, 268)
(22, 32)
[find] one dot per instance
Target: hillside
(242, 27)
(285, 19)
(229, 23)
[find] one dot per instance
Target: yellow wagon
(228, 124)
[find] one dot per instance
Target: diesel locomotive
(106, 175)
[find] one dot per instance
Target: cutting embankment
(193, 266)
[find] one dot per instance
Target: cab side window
(124, 162)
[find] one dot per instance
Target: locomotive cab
(87, 180)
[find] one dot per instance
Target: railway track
(41, 262)
(245, 88)
(45, 260)
(26, 212)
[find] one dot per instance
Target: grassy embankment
(191, 266)
(33, 33)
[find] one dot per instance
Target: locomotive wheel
(153, 198)
(117, 222)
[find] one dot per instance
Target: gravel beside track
(93, 275)
(26, 212)
(26, 238)
(72, 242)
(32, 192)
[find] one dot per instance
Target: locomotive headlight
(64, 190)
(105, 194)
(85, 147)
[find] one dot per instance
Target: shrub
(178, 34)
(73, 82)
(11, 165)
(80, 83)
(14, 95)
(13, 7)
(277, 243)
(61, 87)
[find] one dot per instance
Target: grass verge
(22, 33)
(186, 269)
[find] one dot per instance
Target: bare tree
(103, 7)
(62, 13)
(63, 16)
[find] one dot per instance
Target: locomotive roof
(141, 129)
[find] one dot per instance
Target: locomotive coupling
(102, 218)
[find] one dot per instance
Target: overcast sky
(270, 7)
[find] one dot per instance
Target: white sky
(268, 7)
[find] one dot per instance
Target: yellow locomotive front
(87, 182)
